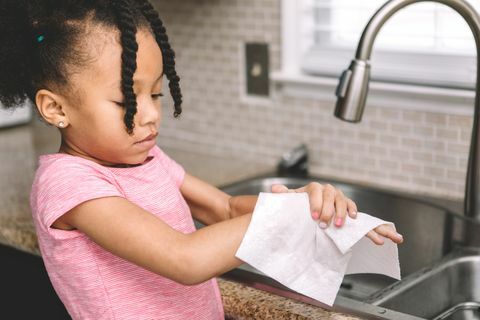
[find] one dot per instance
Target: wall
(420, 152)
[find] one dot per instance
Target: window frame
(292, 79)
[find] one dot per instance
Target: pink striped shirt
(93, 283)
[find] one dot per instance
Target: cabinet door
(25, 289)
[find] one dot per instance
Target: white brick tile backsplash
(436, 119)
(408, 150)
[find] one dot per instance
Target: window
(424, 44)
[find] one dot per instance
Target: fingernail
(400, 236)
(315, 215)
(354, 213)
(323, 225)
(338, 222)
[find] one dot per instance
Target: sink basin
(431, 232)
(449, 290)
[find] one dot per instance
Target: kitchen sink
(449, 290)
(434, 233)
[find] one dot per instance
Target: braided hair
(42, 46)
(167, 52)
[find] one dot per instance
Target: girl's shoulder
(69, 170)
(64, 181)
(60, 162)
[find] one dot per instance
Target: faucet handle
(342, 87)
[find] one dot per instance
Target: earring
(61, 124)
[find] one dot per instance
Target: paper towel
(285, 243)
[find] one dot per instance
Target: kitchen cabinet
(26, 291)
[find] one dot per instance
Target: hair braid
(167, 52)
(128, 30)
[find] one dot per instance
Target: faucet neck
(471, 16)
(365, 46)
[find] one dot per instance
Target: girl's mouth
(149, 138)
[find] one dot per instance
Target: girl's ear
(51, 108)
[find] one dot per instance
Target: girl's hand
(384, 230)
(328, 202)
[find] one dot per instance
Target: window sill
(381, 94)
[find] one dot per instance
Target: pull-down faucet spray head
(352, 91)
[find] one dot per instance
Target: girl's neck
(71, 150)
(67, 149)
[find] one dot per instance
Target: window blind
(425, 43)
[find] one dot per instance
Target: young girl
(113, 213)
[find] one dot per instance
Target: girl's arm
(210, 205)
(136, 235)
(130, 232)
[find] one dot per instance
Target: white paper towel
(285, 243)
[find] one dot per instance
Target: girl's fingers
(279, 188)
(315, 196)
(315, 202)
(340, 208)
(375, 237)
(325, 202)
(328, 205)
(389, 232)
(352, 209)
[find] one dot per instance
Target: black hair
(41, 46)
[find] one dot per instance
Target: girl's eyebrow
(116, 84)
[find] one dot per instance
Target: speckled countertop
(20, 147)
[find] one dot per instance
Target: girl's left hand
(328, 203)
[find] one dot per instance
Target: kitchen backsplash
(420, 152)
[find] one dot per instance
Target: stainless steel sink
(448, 290)
(431, 231)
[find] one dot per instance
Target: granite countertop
(21, 147)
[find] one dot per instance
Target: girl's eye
(157, 95)
(154, 96)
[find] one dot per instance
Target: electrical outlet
(257, 69)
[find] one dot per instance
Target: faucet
(353, 86)
(294, 162)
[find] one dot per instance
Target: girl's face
(96, 130)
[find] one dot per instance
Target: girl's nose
(148, 112)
